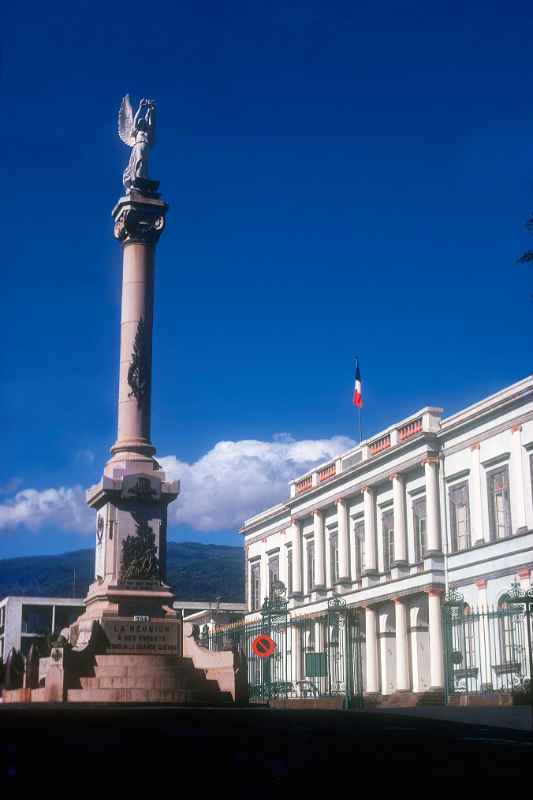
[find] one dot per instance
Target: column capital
(434, 591)
(139, 219)
(430, 459)
(295, 521)
(340, 501)
(474, 446)
(396, 475)
(516, 428)
(398, 600)
(318, 511)
(366, 489)
(481, 583)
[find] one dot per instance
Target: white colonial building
(430, 503)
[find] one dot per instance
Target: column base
(296, 596)
(433, 554)
(370, 573)
(319, 588)
(128, 449)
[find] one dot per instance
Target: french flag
(357, 391)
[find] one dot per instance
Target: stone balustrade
(327, 472)
(378, 445)
(428, 419)
(410, 429)
(304, 484)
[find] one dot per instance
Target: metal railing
(487, 650)
(318, 656)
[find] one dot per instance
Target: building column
(371, 647)
(264, 576)
(320, 550)
(516, 482)
(344, 545)
(400, 527)
(431, 467)
(403, 683)
(370, 531)
(436, 643)
(297, 560)
(476, 510)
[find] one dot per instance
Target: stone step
(128, 696)
(117, 671)
(148, 681)
(149, 661)
(147, 696)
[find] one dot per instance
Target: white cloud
(235, 480)
(231, 482)
(64, 507)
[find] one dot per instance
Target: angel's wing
(125, 122)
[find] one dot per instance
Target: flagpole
(358, 377)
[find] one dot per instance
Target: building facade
(25, 620)
(429, 505)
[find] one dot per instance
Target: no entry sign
(263, 646)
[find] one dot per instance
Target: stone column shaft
(400, 528)
(403, 682)
(436, 644)
(297, 559)
(344, 545)
(320, 550)
(432, 506)
(137, 305)
(516, 482)
(476, 511)
(139, 221)
(371, 645)
(370, 531)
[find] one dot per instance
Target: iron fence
(487, 650)
(314, 656)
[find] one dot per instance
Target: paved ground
(252, 753)
(515, 717)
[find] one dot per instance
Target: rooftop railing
(426, 420)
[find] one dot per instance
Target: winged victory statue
(138, 132)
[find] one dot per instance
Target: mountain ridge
(195, 571)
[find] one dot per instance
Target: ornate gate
(488, 650)
(318, 656)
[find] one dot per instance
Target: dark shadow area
(245, 752)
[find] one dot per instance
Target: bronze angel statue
(138, 132)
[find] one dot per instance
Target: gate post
(452, 612)
(337, 615)
(274, 620)
(524, 598)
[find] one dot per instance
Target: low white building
(24, 620)
(430, 503)
(209, 613)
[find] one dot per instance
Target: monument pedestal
(128, 644)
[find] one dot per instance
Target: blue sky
(344, 179)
